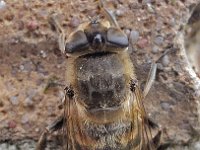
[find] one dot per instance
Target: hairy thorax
(101, 82)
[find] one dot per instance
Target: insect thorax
(101, 81)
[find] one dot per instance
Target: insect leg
(150, 79)
(56, 125)
(148, 123)
(156, 139)
(151, 123)
(61, 35)
(152, 73)
(108, 14)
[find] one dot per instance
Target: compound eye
(76, 43)
(117, 38)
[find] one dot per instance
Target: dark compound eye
(77, 43)
(117, 38)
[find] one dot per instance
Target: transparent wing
(146, 135)
(72, 129)
(67, 130)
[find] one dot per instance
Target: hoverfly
(103, 108)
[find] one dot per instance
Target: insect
(103, 108)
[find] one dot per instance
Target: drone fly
(103, 108)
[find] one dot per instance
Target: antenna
(94, 20)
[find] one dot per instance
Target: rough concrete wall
(30, 62)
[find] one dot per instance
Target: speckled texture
(30, 63)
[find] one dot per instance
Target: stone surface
(14, 100)
(29, 58)
(159, 40)
(2, 4)
(165, 60)
(134, 36)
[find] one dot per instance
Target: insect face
(95, 37)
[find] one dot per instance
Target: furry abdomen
(101, 80)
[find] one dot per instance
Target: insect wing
(72, 125)
(146, 135)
